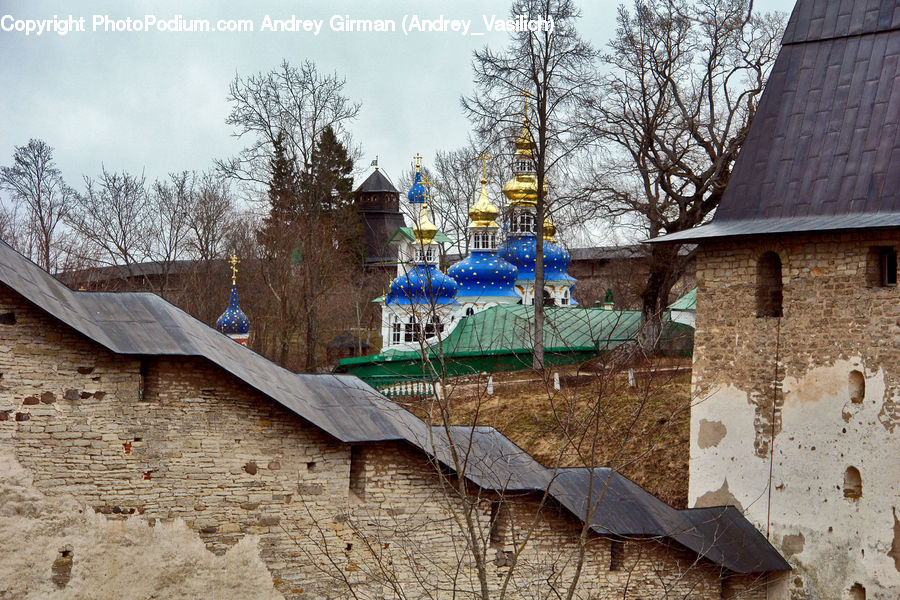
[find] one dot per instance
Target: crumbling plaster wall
(834, 323)
(56, 548)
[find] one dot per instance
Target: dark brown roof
(823, 151)
(376, 183)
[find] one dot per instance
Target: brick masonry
(160, 438)
(783, 388)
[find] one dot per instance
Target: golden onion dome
(484, 212)
(522, 189)
(525, 143)
(425, 230)
(549, 231)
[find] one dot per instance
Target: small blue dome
(233, 321)
(417, 192)
(424, 284)
(484, 274)
(556, 263)
(521, 251)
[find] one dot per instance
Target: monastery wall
(160, 438)
(810, 400)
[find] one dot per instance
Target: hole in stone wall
(8, 318)
(142, 393)
(857, 592)
(494, 529)
(311, 466)
(357, 472)
(856, 386)
(852, 483)
(61, 571)
(768, 286)
(616, 555)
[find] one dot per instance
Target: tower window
(857, 387)
(768, 286)
(524, 223)
(425, 254)
(857, 592)
(852, 483)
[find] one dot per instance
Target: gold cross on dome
(483, 158)
(426, 182)
(418, 160)
(526, 94)
(234, 261)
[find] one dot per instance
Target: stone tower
(796, 380)
(378, 203)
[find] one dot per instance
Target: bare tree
(171, 203)
(456, 184)
(553, 66)
(676, 102)
(210, 217)
(298, 103)
(113, 214)
(34, 182)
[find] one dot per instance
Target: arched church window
(470, 311)
(768, 286)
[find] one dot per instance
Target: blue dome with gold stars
(484, 274)
(424, 284)
(417, 192)
(521, 251)
(556, 263)
(233, 321)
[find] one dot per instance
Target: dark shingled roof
(143, 324)
(376, 183)
(823, 151)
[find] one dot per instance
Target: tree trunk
(311, 337)
(665, 267)
(538, 361)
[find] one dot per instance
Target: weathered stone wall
(782, 395)
(178, 437)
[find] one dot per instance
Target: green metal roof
(508, 328)
(686, 302)
(410, 235)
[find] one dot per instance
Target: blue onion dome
(233, 321)
(556, 263)
(520, 252)
(556, 258)
(484, 274)
(417, 192)
(424, 284)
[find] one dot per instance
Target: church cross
(483, 158)
(234, 270)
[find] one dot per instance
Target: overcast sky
(157, 101)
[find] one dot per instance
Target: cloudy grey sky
(157, 101)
